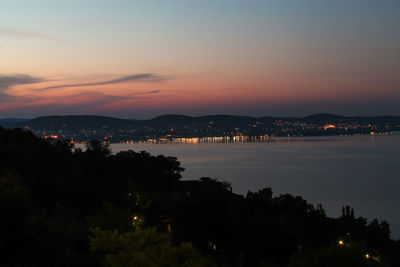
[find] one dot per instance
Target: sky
(140, 59)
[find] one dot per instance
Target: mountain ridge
(177, 120)
(82, 128)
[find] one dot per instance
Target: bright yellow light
(340, 242)
(367, 256)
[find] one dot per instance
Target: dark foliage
(52, 196)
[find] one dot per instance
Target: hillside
(11, 122)
(77, 122)
(176, 121)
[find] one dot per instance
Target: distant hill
(222, 121)
(169, 121)
(323, 117)
(228, 121)
(332, 118)
(164, 122)
(77, 122)
(11, 122)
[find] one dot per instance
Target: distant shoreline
(271, 139)
(215, 128)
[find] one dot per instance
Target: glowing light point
(329, 126)
(340, 242)
(136, 220)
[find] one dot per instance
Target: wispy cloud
(6, 98)
(27, 34)
(82, 100)
(141, 77)
(102, 98)
(147, 93)
(7, 81)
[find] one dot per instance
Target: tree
(144, 247)
(347, 255)
(14, 223)
(347, 211)
(98, 147)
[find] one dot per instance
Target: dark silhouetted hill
(78, 122)
(170, 120)
(11, 122)
(323, 117)
(82, 128)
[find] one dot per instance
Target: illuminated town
(172, 129)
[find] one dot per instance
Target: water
(361, 171)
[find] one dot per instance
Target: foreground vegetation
(62, 206)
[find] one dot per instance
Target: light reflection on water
(361, 171)
(243, 139)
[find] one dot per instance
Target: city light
(329, 126)
(135, 220)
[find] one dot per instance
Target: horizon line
(180, 114)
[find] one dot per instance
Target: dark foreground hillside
(62, 206)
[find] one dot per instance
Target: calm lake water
(361, 171)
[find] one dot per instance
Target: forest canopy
(62, 205)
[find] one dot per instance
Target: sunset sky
(140, 59)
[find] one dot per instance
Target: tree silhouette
(144, 247)
(52, 195)
(347, 211)
(98, 147)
